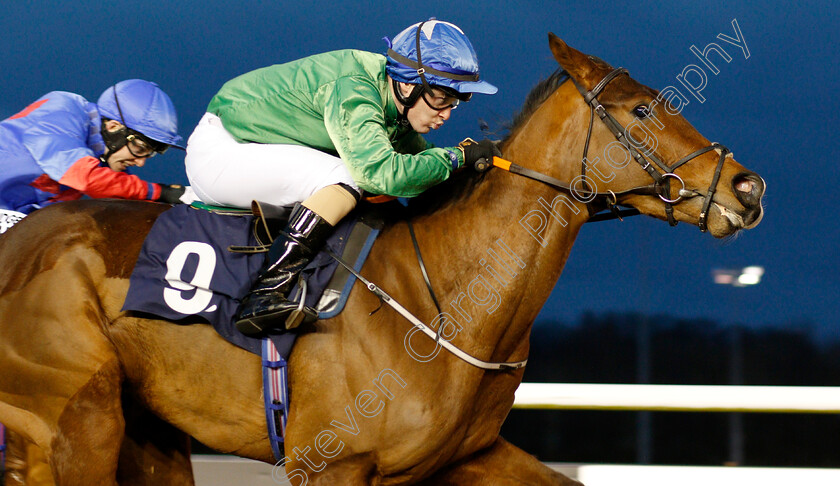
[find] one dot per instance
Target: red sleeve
(96, 181)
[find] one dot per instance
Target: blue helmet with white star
(436, 53)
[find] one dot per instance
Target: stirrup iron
(302, 313)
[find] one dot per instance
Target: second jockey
(63, 147)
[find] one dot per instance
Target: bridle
(660, 187)
(661, 181)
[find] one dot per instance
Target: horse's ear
(579, 66)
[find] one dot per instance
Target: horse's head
(643, 153)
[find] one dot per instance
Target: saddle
(199, 261)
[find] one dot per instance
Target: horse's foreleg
(86, 440)
(26, 464)
(152, 452)
(502, 464)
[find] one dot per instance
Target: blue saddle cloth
(185, 270)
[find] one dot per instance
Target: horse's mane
(535, 99)
(464, 181)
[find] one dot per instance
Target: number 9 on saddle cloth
(199, 261)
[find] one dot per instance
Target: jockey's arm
(58, 144)
(88, 176)
(355, 121)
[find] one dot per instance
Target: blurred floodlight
(738, 277)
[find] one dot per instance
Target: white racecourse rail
(612, 475)
(226, 470)
(687, 398)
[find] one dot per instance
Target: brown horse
(112, 397)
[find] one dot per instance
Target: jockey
(63, 147)
(321, 130)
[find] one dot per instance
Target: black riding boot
(266, 306)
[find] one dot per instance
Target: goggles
(449, 99)
(141, 146)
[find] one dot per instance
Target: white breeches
(224, 172)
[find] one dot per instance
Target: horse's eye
(641, 111)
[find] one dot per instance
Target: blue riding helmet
(446, 58)
(143, 107)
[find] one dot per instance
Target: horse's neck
(513, 234)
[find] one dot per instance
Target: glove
(479, 155)
(189, 196)
(171, 193)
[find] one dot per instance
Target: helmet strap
(421, 69)
(114, 140)
(117, 139)
(408, 102)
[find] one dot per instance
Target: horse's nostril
(748, 188)
(745, 185)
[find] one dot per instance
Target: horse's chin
(721, 222)
(724, 229)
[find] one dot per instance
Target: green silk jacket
(338, 102)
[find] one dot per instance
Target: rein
(661, 181)
(384, 297)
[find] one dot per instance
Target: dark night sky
(776, 110)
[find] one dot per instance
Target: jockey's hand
(171, 193)
(479, 155)
(189, 196)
